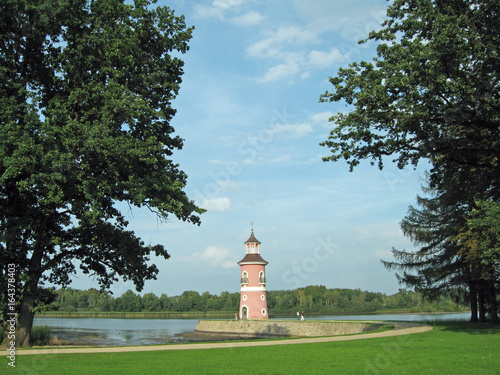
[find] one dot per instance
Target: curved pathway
(398, 330)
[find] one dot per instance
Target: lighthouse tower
(253, 299)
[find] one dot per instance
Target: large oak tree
(432, 93)
(86, 91)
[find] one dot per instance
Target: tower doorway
(244, 312)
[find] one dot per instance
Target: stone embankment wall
(283, 328)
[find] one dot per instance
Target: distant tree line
(311, 299)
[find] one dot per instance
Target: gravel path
(399, 329)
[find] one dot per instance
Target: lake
(118, 332)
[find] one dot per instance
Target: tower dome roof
(252, 259)
(252, 239)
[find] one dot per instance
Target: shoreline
(400, 328)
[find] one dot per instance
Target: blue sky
(249, 113)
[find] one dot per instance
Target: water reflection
(115, 332)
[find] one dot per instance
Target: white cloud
(230, 10)
(305, 75)
(311, 160)
(359, 15)
(302, 48)
(230, 186)
(322, 118)
(217, 161)
(325, 60)
(217, 204)
(281, 71)
(292, 47)
(226, 4)
(295, 63)
(214, 256)
(292, 130)
(249, 161)
(301, 129)
(281, 159)
(274, 45)
(204, 11)
(248, 19)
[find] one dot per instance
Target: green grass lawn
(450, 348)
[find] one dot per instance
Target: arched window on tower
(244, 278)
(262, 277)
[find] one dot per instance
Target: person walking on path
(302, 316)
(298, 315)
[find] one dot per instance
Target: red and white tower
(253, 299)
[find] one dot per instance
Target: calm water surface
(112, 332)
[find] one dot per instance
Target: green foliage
(436, 267)
(129, 301)
(484, 237)
(150, 302)
(86, 89)
(432, 91)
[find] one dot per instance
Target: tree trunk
(25, 321)
(30, 293)
(21, 327)
(473, 301)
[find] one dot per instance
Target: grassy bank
(450, 348)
